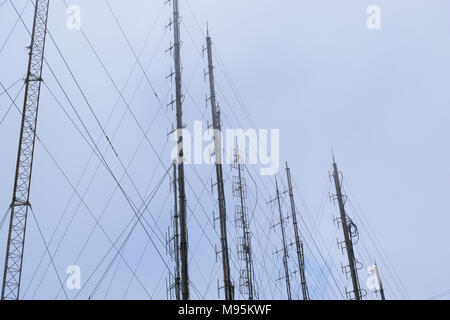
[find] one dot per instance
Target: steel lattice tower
(347, 226)
(21, 194)
(22, 182)
(217, 127)
(247, 274)
(298, 241)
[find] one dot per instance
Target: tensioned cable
(14, 26)
(128, 199)
(132, 50)
(107, 148)
(12, 104)
(156, 222)
(48, 251)
(104, 162)
(70, 183)
(440, 295)
(124, 243)
(141, 258)
(150, 198)
(10, 86)
(104, 210)
(2, 222)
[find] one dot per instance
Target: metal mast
(298, 241)
(380, 283)
(283, 236)
(247, 275)
(347, 228)
(22, 182)
(176, 236)
(217, 127)
(180, 126)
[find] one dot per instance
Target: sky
(311, 69)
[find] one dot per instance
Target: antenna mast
(175, 239)
(180, 126)
(298, 241)
(247, 275)
(22, 182)
(217, 127)
(350, 231)
(380, 282)
(283, 236)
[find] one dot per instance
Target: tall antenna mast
(298, 241)
(350, 231)
(247, 275)
(180, 126)
(175, 239)
(283, 236)
(380, 282)
(217, 127)
(22, 182)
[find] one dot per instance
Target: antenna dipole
(286, 277)
(298, 241)
(347, 225)
(217, 128)
(21, 194)
(181, 179)
(247, 275)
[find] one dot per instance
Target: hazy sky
(309, 68)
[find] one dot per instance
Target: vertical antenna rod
(247, 275)
(380, 283)
(22, 182)
(177, 235)
(217, 127)
(181, 182)
(298, 242)
(285, 252)
(346, 227)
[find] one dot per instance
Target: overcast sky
(312, 69)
